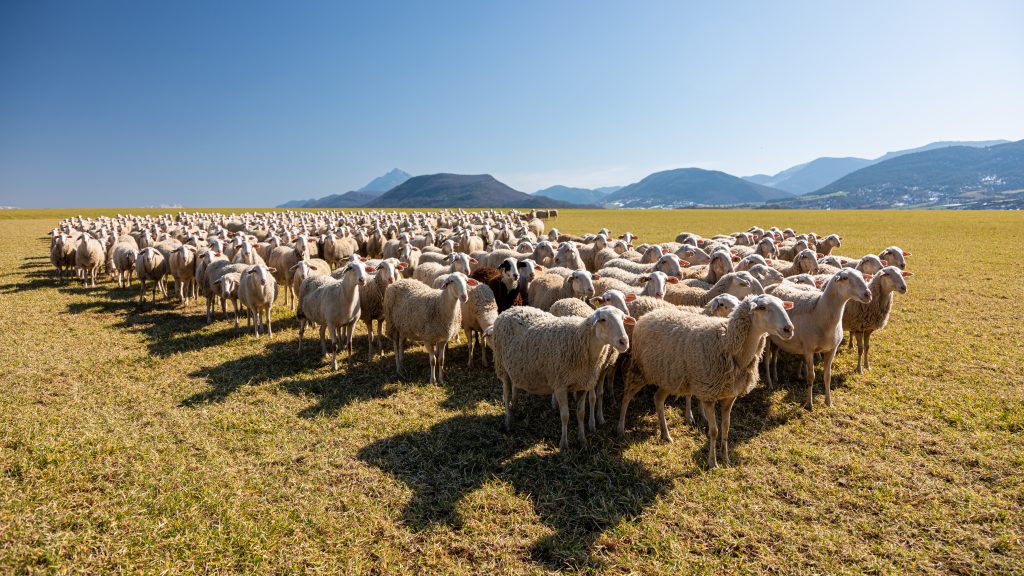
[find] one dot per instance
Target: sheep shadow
(578, 494)
(273, 361)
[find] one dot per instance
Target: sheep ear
(820, 255)
(867, 277)
(271, 270)
(401, 266)
(629, 321)
(905, 253)
(538, 268)
(472, 282)
(885, 262)
(630, 297)
(596, 277)
(672, 280)
(907, 274)
(622, 235)
(596, 301)
(371, 270)
(684, 263)
(473, 261)
(297, 265)
(768, 261)
(819, 283)
(218, 254)
(787, 305)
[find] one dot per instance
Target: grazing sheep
(415, 311)
(335, 306)
(150, 265)
(549, 288)
(818, 317)
(861, 320)
(89, 256)
(257, 290)
(544, 354)
(713, 359)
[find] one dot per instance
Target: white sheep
(150, 266)
(547, 289)
(861, 320)
(334, 305)
(543, 354)
(818, 317)
(257, 289)
(712, 359)
(415, 311)
(89, 256)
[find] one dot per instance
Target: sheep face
(895, 256)
(767, 248)
(693, 256)
(458, 285)
(671, 265)
(850, 284)
(614, 298)
(582, 284)
(806, 261)
(893, 279)
(509, 273)
(655, 284)
(722, 305)
(742, 284)
(768, 314)
(610, 327)
(748, 262)
(721, 263)
(870, 264)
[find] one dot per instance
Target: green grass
(143, 440)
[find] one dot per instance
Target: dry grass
(144, 440)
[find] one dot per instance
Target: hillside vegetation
(146, 441)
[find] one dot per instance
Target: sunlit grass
(144, 440)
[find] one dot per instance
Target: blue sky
(254, 103)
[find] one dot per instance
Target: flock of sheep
(562, 314)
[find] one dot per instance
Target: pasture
(144, 440)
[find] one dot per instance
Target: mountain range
(459, 191)
(813, 175)
(963, 177)
(690, 187)
(588, 196)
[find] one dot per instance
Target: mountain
(813, 175)
(953, 177)
(459, 191)
(594, 196)
(382, 184)
(376, 187)
(686, 187)
(347, 200)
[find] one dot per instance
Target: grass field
(144, 440)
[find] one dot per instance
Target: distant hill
(382, 184)
(954, 176)
(813, 175)
(594, 196)
(459, 191)
(347, 200)
(376, 187)
(692, 187)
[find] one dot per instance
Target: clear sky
(245, 103)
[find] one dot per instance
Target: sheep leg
(506, 397)
(234, 306)
(689, 411)
(431, 352)
(581, 414)
(827, 374)
(470, 337)
(440, 361)
(380, 336)
(860, 349)
(369, 336)
(554, 401)
(323, 340)
(867, 346)
(775, 363)
(270, 329)
(334, 346)
(808, 366)
(562, 396)
(597, 407)
(660, 396)
(255, 321)
(726, 418)
(709, 413)
(302, 330)
(591, 404)
(767, 365)
(349, 334)
(627, 396)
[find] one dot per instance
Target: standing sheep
(544, 354)
(257, 290)
(550, 288)
(415, 311)
(861, 320)
(713, 359)
(334, 305)
(150, 265)
(89, 256)
(371, 301)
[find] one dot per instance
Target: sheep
(568, 256)
(227, 288)
(371, 300)
(861, 320)
(62, 254)
(670, 264)
(805, 262)
(337, 249)
(182, 266)
(150, 265)
(414, 311)
(570, 307)
(427, 272)
(739, 284)
(713, 359)
(828, 243)
(123, 261)
(334, 305)
(544, 354)
(503, 282)
(868, 264)
(549, 288)
(818, 317)
(528, 270)
(896, 256)
(479, 312)
(89, 256)
(306, 268)
(257, 290)
(719, 264)
(283, 259)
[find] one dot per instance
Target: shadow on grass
(579, 494)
